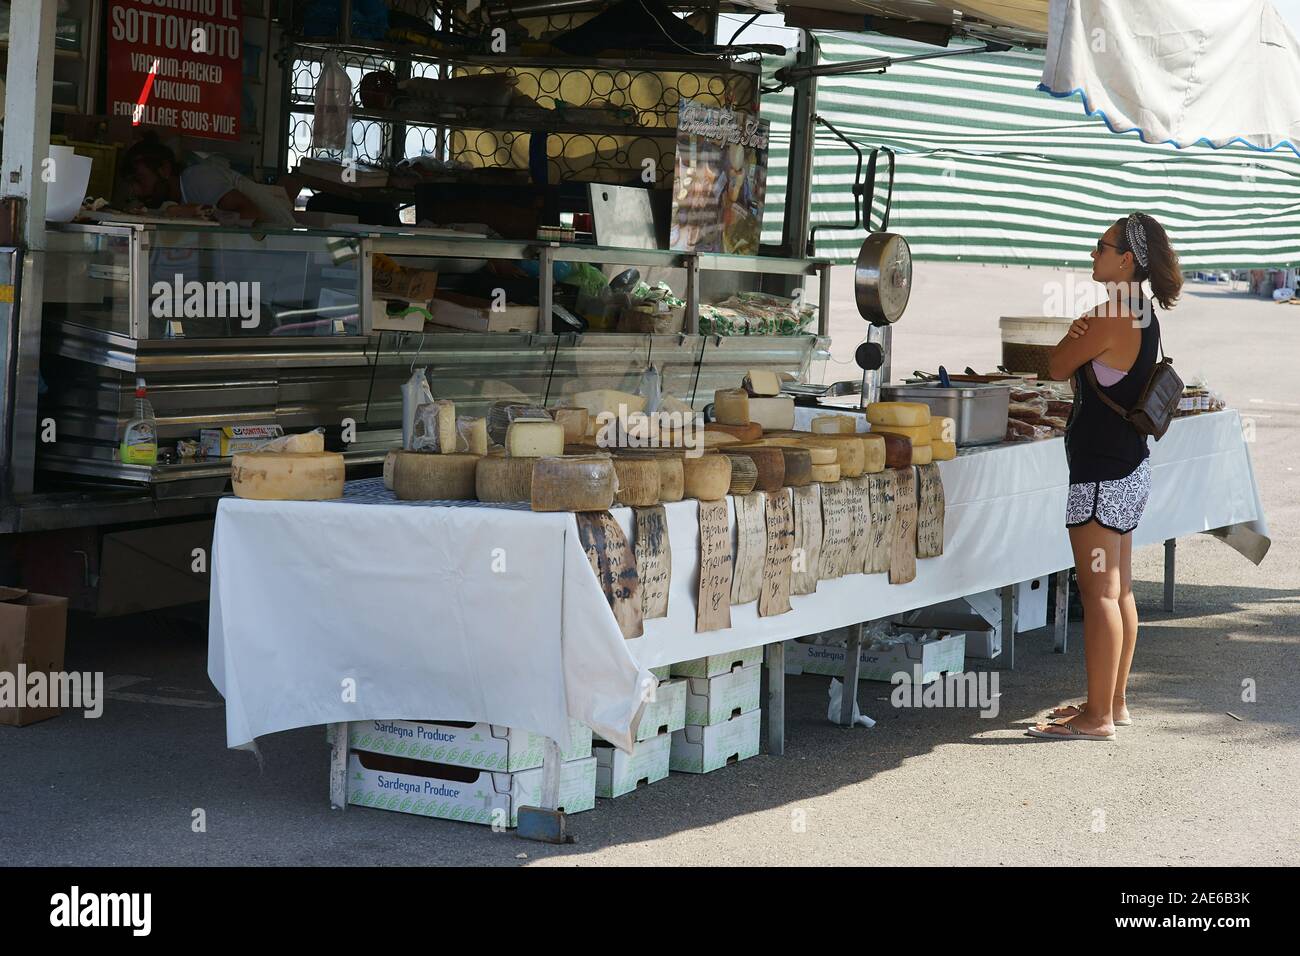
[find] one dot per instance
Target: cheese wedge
(731, 406)
(762, 382)
(852, 453)
(772, 413)
(898, 451)
(574, 419)
(447, 434)
(534, 438)
(907, 414)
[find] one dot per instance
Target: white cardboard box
(618, 773)
(698, 749)
(715, 700)
(934, 658)
(716, 664)
(462, 793)
(460, 744)
(666, 713)
(983, 640)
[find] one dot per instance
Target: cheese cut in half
(285, 476)
(907, 414)
(825, 472)
(575, 420)
(772, 413)
(472, 436)
(918, 434)
(707, 477)
(744, 474)
(834, 425)
(389, 459)
(500, 478)
(768, 461)
(874, 447)
(852, 453)
(921, 455)
(421, 477)
(750, 431)
(731, 406)
(638, 481)
(944, 429)
(762, 383)
(898, 451)
(942, 450)
(534, 438)
(577, 483)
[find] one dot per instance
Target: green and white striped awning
(992, 170)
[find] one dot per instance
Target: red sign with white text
(177, 64)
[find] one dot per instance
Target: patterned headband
(1136, 234)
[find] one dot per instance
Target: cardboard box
(983, 640)
(33, 629)
(662, 673)
(227, 441)
(618, 773)
(463, 744)
(412, 320)
(934, 658)
(715, 700)
(705, 749)
(666, 713)
(716, 664)
(477, 315)
(462, 793)
(410, 285)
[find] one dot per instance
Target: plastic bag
(332, 117)
(836, 694)
(415, 393)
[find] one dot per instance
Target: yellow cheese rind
(577, 483)
(942, 450)
(286, 476)
(501, 478)
(921, 455)
(574, 419)
(418, 476)
(834, 425)
(762, 382)
(873, 447)
(944, 429)
(919, 435)
(852, 453)
(731, 406)
(534, 438)
(772, 413)
(707, 477)
(825, 472)
(907, 414)
(638, 481)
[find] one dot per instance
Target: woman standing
(1110, 351)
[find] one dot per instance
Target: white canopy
(1179, 71)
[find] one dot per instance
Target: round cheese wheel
(852, 453)
(750, 431)
(898, 451)
(798, 466)
(575, 420)
(825, 472)
(638, 481)
(672, 479)
(418, 476)
(744, 474)
(874, 447)
(284, 476)
(577, 483)
(907, 414)
(500, 478)
(921, 455)
(707, 477)
(942, 450)
(731, 406)
(918, 434)
(389, 459)
(769, 462)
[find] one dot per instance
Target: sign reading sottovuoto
(177, 64)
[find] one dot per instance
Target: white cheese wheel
(285, 476)
(834, 425)
(941, 450)
(921, 455)
(577, 483)
(825, 472)
(534, 438)
(423, 477)
(874, 448)
(762, 382)
(707, 477)
(907, 414)
(772, 413)
(638, 481)
(501, 478)
(731, 406)
(918, 435)
(389, 461)
(472, 436)
(574, 420)
(944, 429)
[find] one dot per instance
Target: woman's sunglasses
(1102, 244)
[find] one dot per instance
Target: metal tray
(980, 411)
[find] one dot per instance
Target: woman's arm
(236, 202)
(1087, 339)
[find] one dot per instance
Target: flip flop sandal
(1071, 733)
(1079, 707)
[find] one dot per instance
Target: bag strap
(1091, 376)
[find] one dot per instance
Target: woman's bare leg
(1129, 615)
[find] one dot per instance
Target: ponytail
(1162, 268)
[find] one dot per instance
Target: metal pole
(798, 195)
(1062, 623)
(1171, 546)
(852, 662)
(338, 738)
(1009, 625)
(29, 88)
(776, 699)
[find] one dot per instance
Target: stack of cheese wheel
(707, 476)
(907, 420)
(573, 483)
(287, 476)
(943, 438)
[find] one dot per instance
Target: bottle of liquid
(140, 440)
(331, 125)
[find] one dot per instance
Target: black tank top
(1099, 444)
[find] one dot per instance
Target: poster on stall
(720, 180)
(177, 65)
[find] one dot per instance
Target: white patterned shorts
(1117, 505)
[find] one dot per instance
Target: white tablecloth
(403, 598)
